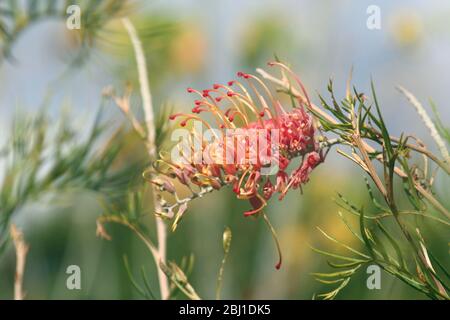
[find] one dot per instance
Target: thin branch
(435, 203)
(371, 169)
(145, 87)
(151, 145)
(21, 256)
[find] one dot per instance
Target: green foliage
(390, 237)
(133, 218)
(41, 159)
(145, 291)
(178, 276)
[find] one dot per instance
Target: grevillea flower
(256, 169)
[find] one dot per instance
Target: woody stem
(151, 145)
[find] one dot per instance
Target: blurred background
(197, 43)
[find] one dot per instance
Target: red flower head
(253, 140)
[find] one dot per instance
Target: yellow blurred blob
(337, 229)
(296, 251)
(326, 210)
(406, 28)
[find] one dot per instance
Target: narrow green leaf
(343, 244)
